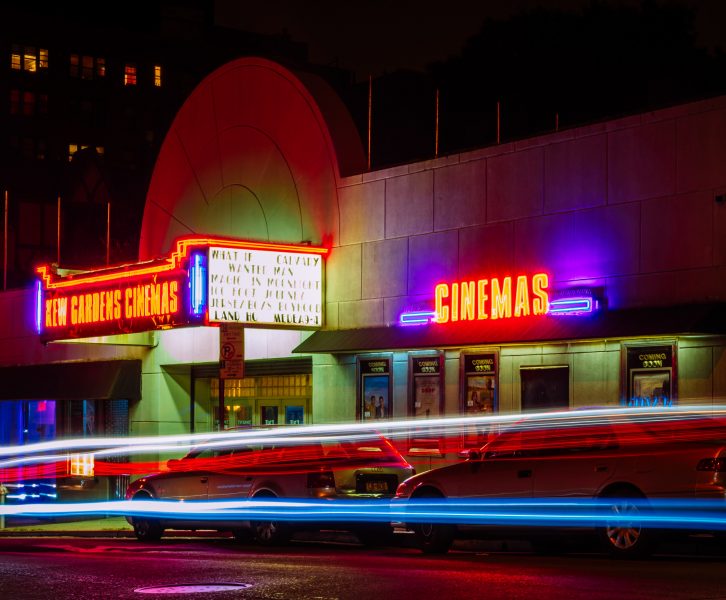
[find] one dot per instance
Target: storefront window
(259, 400)
(545, 388)
(28, 422)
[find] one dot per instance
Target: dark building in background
(86, 100)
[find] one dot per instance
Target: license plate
(376, 487)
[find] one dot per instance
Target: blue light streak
(687, 514)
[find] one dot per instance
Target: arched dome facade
(253, 153)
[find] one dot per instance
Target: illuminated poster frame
(479, 392)
(649, 375)
(375, 400)
(426, 385)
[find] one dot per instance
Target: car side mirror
(172, 463)
(474, 455)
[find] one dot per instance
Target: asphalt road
(62, 568)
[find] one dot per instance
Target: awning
(103, 380)
(674, 320)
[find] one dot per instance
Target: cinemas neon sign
(493, 298)
(175, 291)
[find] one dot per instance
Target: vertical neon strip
(197, 283)
(38, 306)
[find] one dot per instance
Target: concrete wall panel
(486, 249)
(462, 186)
(362, 210)
(702, 150)
(360, 313)
(410, 204)
(514, 185)
(343, 274)
(642, 162)
(575, 174)
(676, 232)
(385, 268)
(695, 375)
(432, 259)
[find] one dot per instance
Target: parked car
(620, 461)
(368, 469)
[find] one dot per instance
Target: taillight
(712, 464)
(321, 479)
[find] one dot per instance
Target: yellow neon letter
(468, 298)
(540, 304)
(521, 297)
(502, 298)
(442, 311)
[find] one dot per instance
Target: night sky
(378, 36)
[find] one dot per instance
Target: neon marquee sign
(176, 291)
(494, 298)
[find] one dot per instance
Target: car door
(232, 478)
(504, 471)
(575, 461)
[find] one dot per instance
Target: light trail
(662, 514)
(450, 427)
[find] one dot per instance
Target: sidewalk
(101, 527)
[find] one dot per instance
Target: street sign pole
(231, 359)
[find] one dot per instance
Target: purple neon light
(572, 306)
(38, 306)
(418, 317)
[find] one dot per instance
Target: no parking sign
(231, 351)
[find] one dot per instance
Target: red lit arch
(253, 153)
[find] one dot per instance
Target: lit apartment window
(15, 62)
(75, 64)
(130, 75)
(30, 59)
(73, 148)
(101, 66)
(157, 75)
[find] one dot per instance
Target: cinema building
(585, 267)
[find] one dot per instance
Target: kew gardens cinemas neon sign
(204, 281)
(493, 298)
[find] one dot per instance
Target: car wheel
(270, 533)
(626, 537)
(375, 534)
(147, 530)
(433, 538)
